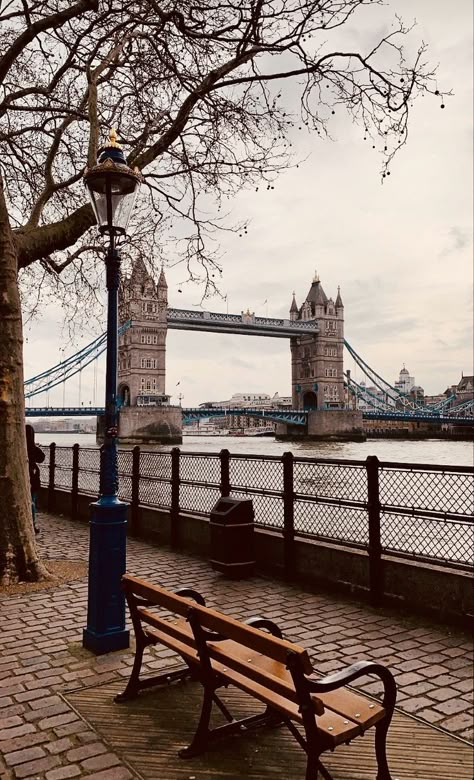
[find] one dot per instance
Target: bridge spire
(294, 309)
(339, 304)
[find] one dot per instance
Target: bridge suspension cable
(68, 368)
(396, 395)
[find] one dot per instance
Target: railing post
(135, 503)
(288, 514)
(376, 585)
(75, 481)
(174, 515)
(225, 472)
(52, 476)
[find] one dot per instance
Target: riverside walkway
(57, 719)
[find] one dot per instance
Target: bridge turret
(294, 309)
(339, 303)
(162, 288)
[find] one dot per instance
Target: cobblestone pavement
(41, 656)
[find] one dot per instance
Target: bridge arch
(310, 400)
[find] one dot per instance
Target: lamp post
(112, 188)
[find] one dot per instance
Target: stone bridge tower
(142, 348)
(317, 360)
(146, 415)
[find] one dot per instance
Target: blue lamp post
(112, 188)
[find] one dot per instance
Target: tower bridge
(321, 390)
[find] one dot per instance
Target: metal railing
(415, 511)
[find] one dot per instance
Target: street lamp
(112, 188)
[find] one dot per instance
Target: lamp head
(112, 187)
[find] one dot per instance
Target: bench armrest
(192, 594)
(333, 681)
(262, 622)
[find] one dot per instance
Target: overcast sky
(401, 251)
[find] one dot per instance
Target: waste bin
(232, 537)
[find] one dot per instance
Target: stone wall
(150, 425)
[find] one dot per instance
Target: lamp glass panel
(122, 206)
(123, 191)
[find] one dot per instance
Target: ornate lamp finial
(113, 138)
(316, 277)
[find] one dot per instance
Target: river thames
(436, 451)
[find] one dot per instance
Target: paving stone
(63, 772)
(103, 761)
(452, 706)
(22, 756)
(35, 767)
(458, 723)
(86, 751)
(443, 694)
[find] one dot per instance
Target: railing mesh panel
(44, 467)
(256, 473)
(268, 509)
(440, 491)
(194, 498)
(330, 480)
(63, 472)
(340, 523)
(443, 540)
(200, 468)
(89, 465)
(125, 465)
(155, 479)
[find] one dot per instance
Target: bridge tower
(146, 415)
(142, 348)
(317, 359)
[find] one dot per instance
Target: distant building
(248, 400)
(463, 391)
(405, 382)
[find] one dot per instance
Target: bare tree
(198, 93)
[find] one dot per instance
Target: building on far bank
(247, 400)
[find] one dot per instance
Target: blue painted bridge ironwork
(289, 416)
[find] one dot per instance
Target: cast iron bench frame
(220, 651)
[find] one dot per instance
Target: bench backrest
(252, 638)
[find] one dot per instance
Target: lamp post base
(105, 643)
(105, 630)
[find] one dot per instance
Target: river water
(436, 451)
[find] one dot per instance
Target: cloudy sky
(401, 251)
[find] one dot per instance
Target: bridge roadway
(291, 416)
(246, 324)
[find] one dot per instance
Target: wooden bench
(220, 651)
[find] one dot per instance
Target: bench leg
(133, 685)
(381, 729)
(201, 737)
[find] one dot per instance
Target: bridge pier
(152, 425)
(326, 425)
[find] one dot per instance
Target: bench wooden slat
(157, 595)
(353, 706)
(165, 639)
(179, 629)
(262, 670)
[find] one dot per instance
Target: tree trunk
(18, 556)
